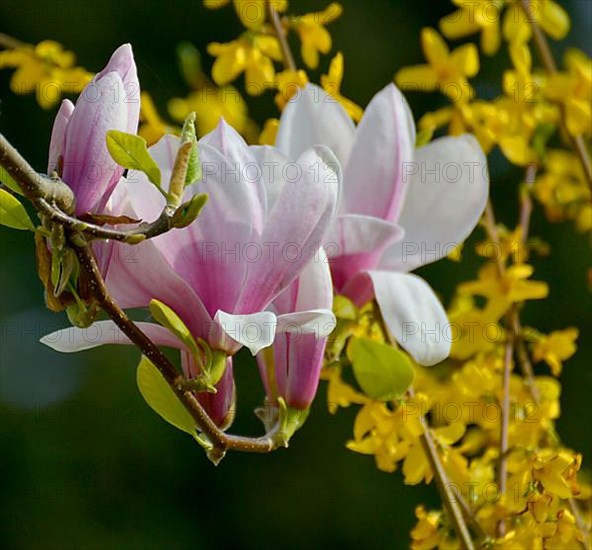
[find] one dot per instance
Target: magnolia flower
(219, 275)
(400, 207)
(78, 150)
(291, 368)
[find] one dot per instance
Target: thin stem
(274, 19)
(549, 61)
(491, 229)
(526, 202)
(504, 444)
(579, 522)
(525, 363)
(449, 496)
(10, 43)
(144, 231)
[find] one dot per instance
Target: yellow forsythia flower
(472, 17)
(249, 54)
(445, 71)
(269, 132)
(46, 68)
(573, 89)
(425, 535)
(288, 83)
(331, 83)
(512, 288)
(152, 127)
(563, 190)
(555, 348)
(210, 103)
(548, 15)
(315, 38)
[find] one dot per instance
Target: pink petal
(122, 62)
(296, 227)
(373, 177)
(356, 244)
(88, 167)
(58, 134)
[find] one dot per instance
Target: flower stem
(504, 445)
(447, 492)
(274, 19)
(549, 61)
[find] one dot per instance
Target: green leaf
(10, 182)
(188, 211)
(383, 372)
(189, 135)
(164, 315)
(162, 399)
(130, 151)
(13, 213)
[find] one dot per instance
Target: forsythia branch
(274, 19)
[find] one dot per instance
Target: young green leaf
(13, 213)
(164, 315)
(9, 181)
(383, 372)
(188, 134)
(130, 151)
(161, 398)
(188, 211)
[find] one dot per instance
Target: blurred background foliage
(86, 464)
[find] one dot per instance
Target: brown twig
(504, 445)
(10, 43)
(445, 486)
(274, 19)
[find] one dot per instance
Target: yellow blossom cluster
(461, 404)
(529, 108)
(563, 190)
(46, 69)
(257, 52)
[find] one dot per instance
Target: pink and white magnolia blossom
(291, 368)
(78, 150)
(220, 274)
(400, 207)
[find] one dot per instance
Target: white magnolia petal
(255, 331)
(312, 117)
(320, 322)
(374, 182)
(274, 166)
(445, 199)
(75, 339)
(413, 314)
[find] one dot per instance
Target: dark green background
(85, 464)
